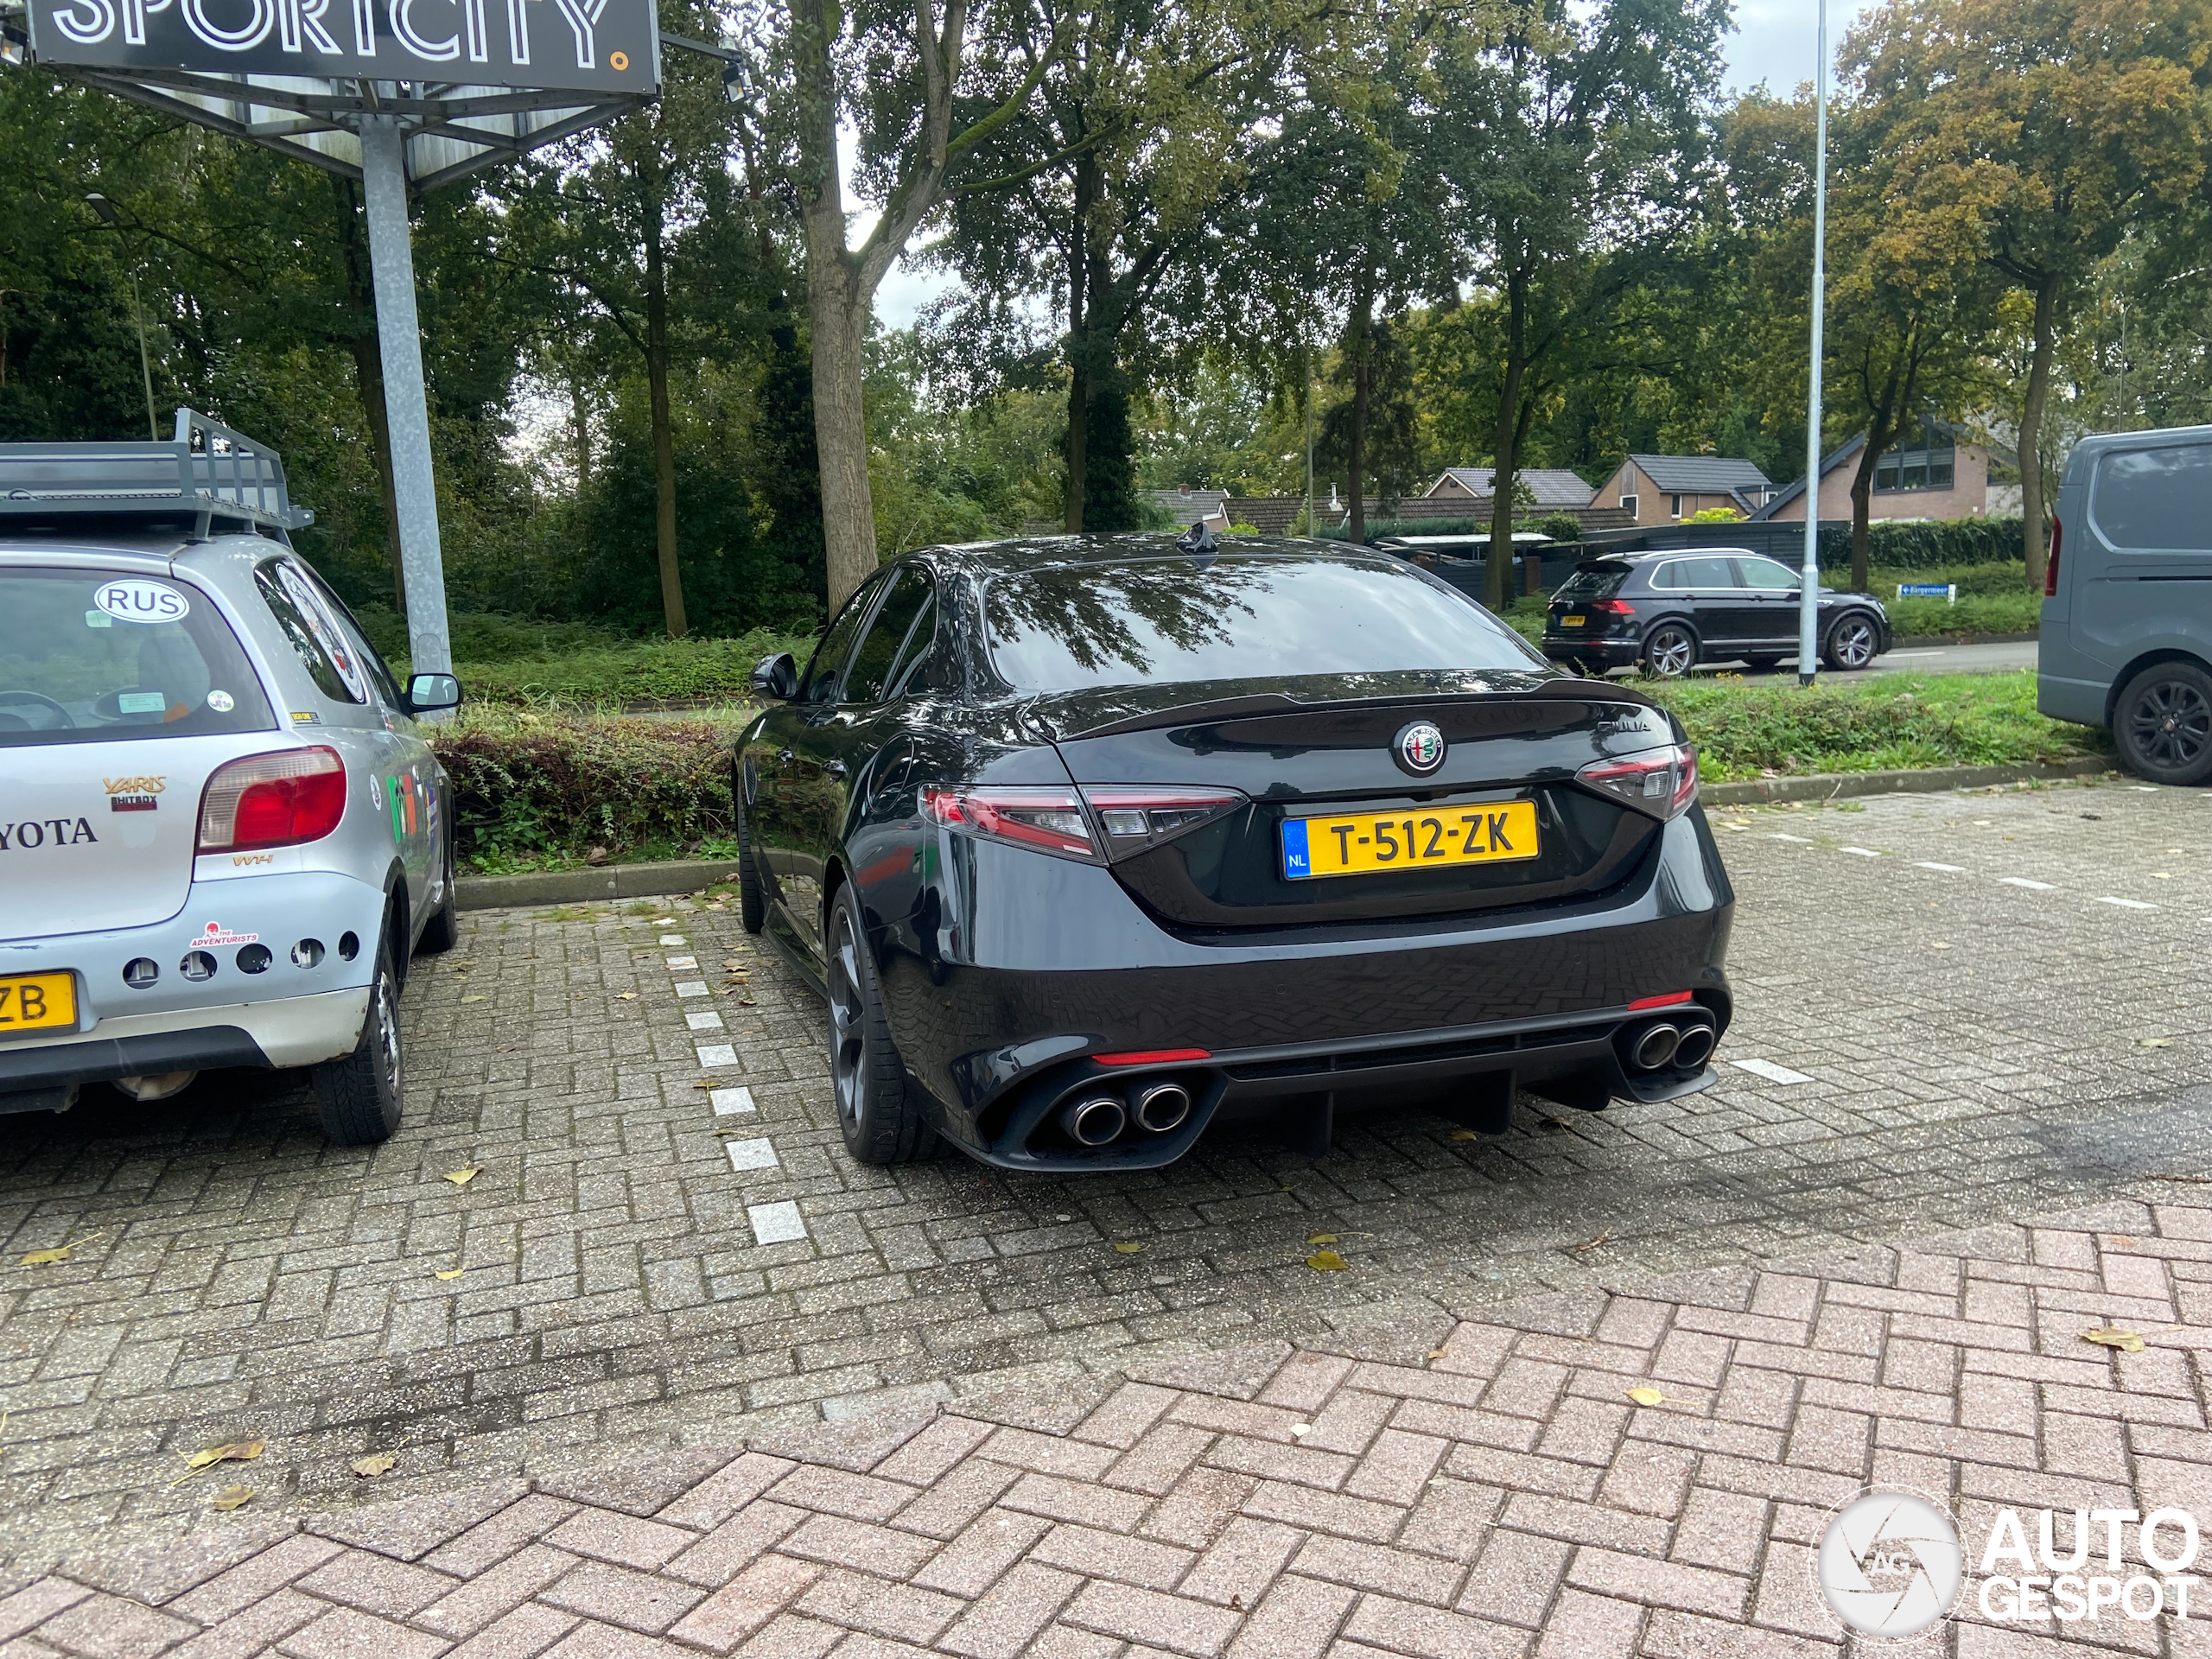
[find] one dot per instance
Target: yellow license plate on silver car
(37, 1002)
(1367, 843)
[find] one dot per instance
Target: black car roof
(1023, 553)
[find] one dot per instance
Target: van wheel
(2163, 724)
(359, 1094)
(1669, 651)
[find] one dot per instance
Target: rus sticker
(134, 599)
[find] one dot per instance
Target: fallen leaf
(706, 1083)
(2195, 1179)
(1591, 1244)
(46, 1258)
(1646, 1396)
(1463, 1134)
(1436, 1353)
(1301, 1429)
(1940, 944)
(237, 1450)
(1236, 1603)
(2113, 1337)
(370, 1467)
(1326, 1262)
(2154, 1042)
(233, 1498)
(1128, 1250)
(625, 996)
(1320, 1238)
(450, 1273)
(463, 1177)
(480, 999)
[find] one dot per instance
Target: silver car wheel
(1669, 652)
(1853, 645)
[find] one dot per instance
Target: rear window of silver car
(1176, 620)
(108, 656)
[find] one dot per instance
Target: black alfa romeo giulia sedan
(1093, 841)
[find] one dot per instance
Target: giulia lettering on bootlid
(34, 833)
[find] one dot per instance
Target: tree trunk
(1080, 377)
(580, 428)
(368, 367)
(1498, 568)
(671, 578)
(1363, 387)
(1862, 489)
(2031, 502)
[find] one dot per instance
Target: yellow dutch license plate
(1573, 621)
(1367, 843)
(37, 1002)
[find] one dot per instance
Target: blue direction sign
(1929, 590)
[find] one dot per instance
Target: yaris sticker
(132, 599)
(133, 794)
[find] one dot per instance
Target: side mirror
(432, 694)
(777, 676)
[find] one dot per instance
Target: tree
(2081, 114)
(1578, 156)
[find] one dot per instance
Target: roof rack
(207, 471)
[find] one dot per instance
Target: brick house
(1552, 486)
(1667, 489)
(1932, 474)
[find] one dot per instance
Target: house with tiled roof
(1552, 486)
(1935, 471)
(1667, 489)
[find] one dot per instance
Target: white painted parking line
(1800, 840)
(2023, 881)
(690, 988)
(2126, 903)
(750, 1154)
(1771, 1071)
(703, 1021)
(682, 963)
(775, 1223)
(1947, 869)
(717, 1053)
(672, 939)
(729, 1102)
(1860, 852)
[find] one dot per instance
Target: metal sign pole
(1808, 592)
(407, 406)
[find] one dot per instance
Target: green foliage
(1752, 728)
(1559, 526)
(611, 675)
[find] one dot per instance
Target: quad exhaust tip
(1695, 1047)
(1093, 1120)
(1163, 1107)
(1654, 1047)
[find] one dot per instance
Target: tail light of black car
(273, 800)
(1134, 818)
(1661, 782)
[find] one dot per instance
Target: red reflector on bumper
(1671, 1000)
(1152, 1057)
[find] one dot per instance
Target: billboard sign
(593, 45)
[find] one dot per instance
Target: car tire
(2163, 723)
(1669, 651)
(442, 932)
(878, 1110)
(751, 896)
(360, 1094)
(1853, 642)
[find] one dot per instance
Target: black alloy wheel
(880, 1119)
(2164, 722)
(1853, 642)
(1669, 651)
(360, 1094)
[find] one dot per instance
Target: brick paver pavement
(1498, 1494)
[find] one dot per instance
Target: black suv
(1671, 611)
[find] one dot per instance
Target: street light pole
(1809, 590)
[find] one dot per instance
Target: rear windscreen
(1247, 618)
(90, 656)
(1593, 581)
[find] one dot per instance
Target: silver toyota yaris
(222, 835)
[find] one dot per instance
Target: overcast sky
(1773, 42)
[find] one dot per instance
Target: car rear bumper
(290, 1031)
(999, 1036)
(1570, 648)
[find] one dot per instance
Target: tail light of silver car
(272, 800)
(1043, 820)
(1662, 782)
(1138, 817)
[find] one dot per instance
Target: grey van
(2127, 636)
